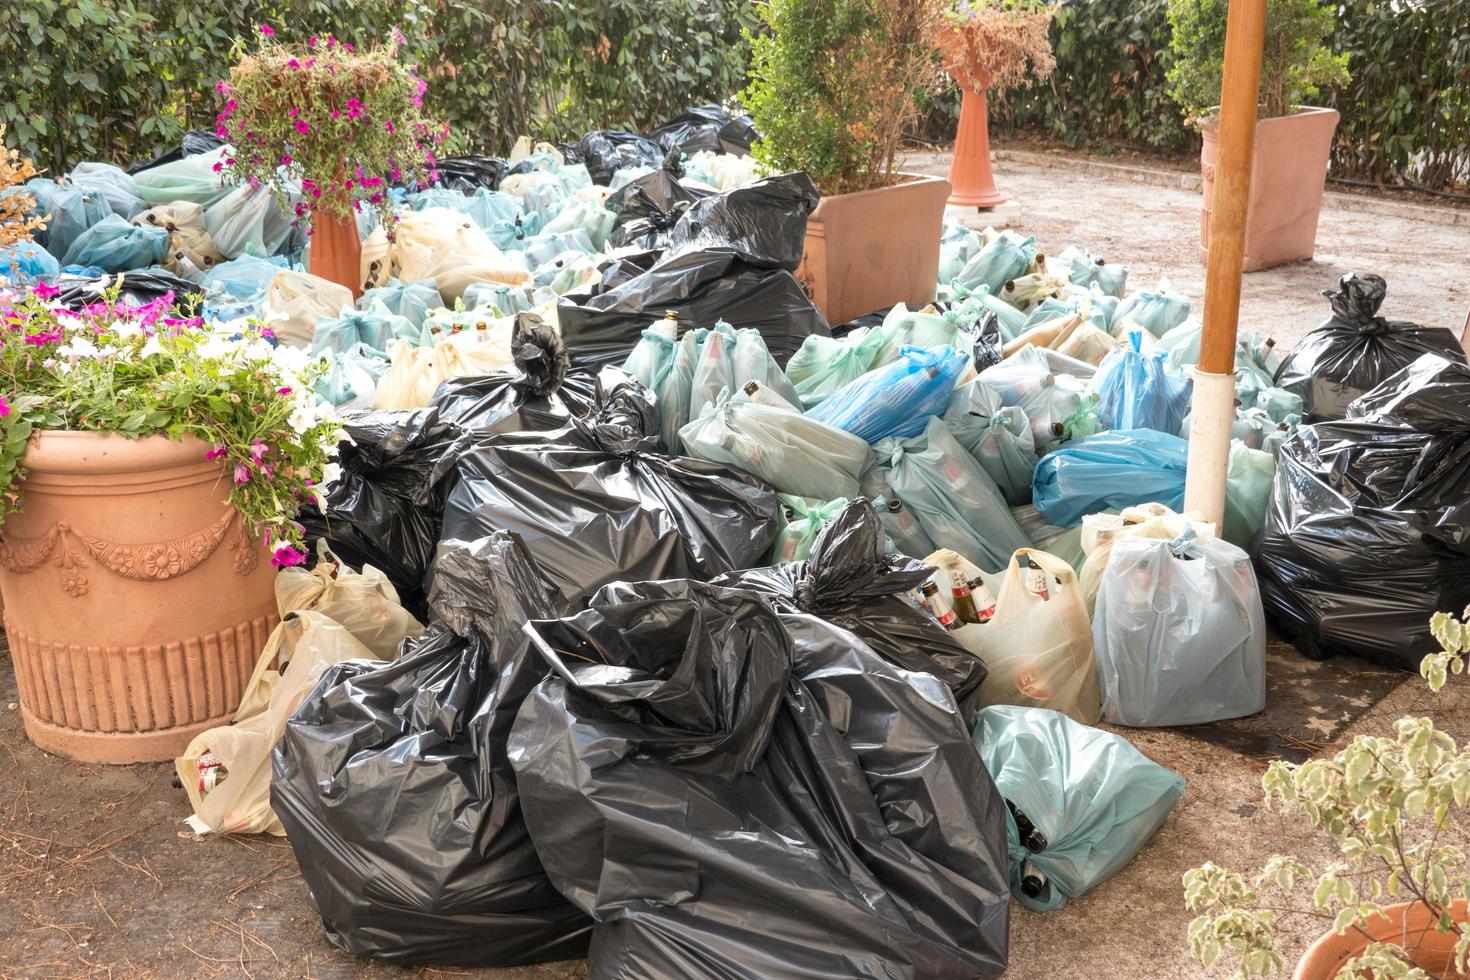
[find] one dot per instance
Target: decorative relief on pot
(140, 562)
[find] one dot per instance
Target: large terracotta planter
(336, 251)
(1407, 924)
(1288, 177)
(136, 603)
(869, 250)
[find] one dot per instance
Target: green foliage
(1296, 64)
(496, 68)
(1454, 641)
(834, 84)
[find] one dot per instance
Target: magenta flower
(215, 453)
(267, 333)
(242, 473)
(287, 556)
(285, 159)
(311, 43)
(4, 406)
(217, 166)
(258, 450)
(293, 63)
(43, 290)
(302, 126)
(223, 88)
(388, 125)
(283, 391)
(354, 109)
(267, 31)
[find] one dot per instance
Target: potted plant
(1293, 140)
(1395, 808)
(328, 128)
(833, 85)
(992, 45)
(150, 468)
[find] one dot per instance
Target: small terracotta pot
(869, 250)
(336, 251)
(1407, 923)
(136, 603)
(1288, 178)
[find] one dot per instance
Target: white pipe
(1212, 411)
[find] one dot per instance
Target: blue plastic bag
(502, 297)
(410, 300)
(351, 377)
(999, 437)
(954, 501)
(245, 278)
(1135, 392)
(27, 260)
(898, 399)
(1092, 797)
(115, 245)
(72, 211)
(1157, 312)
(112, 184)
(1115, 469)
(375, 328)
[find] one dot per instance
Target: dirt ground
(99, 876)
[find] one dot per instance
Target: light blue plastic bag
(1157, 312)
(822, 366)
(957, 246)
(896, 400)
(1135, 392)
(115, 245)
(998, 437)
(72, 211)
(351, 377)
(997, 263)
(112, 184)
(1094, 798)
(1179, 632)
(1085, 269)
(501, 297)
(955, 501)
(1027, 380)
(752, 361)
(905, 535)
(410, 300)
(375, 328)
(245, 278)
(714, 368)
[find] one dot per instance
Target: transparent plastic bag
(824, 365)
(1038, 650)
(897, 400)
(351, 377)
(72, 210)
(999, 437)
(295, 301)
(956, 503)
(1085, 269)
(1028, 381)
(905, 535)
(375, 327)
(714, 371)
(113, 184)
(248, 220)
(752, 361)
(999, 261)
(328, 615)
(1094, 799)
(792, 452)
(1248, 479)
(441, 245)
(190, 178)
(1157, 311)
(1180, 633)
(1151, 520)
(245, 278)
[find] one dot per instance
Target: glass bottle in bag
(1036, 579)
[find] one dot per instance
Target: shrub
(834, 84)
(997, 45)
(16, 222)
(1296, 63)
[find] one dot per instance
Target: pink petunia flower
(267, 31)
(4, 406)
(302, 126)
(44, 290)
(286, 556)
(242, 473)
(285, 159)
(283, 391)
(258, 450)
(215, 453)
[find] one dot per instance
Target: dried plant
(997, 45)
(17, 224)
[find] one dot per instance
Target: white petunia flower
(154, 346)
(302, 419)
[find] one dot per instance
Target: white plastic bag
(1180, 633)
(1038, 651)
(294, 301)
(329, 614)
(442, 245)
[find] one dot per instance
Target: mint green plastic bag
(800, 520)
(192, 179)
(824, 365)
(412, 300)
(1092, 797)
(1248, 480)
(116, 245)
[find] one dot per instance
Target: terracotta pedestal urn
(336, 251)
(969, 168)
(136, 602)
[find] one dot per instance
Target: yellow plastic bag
(1152, 520)
(295, 301)
(1038, 651)
(324, 620)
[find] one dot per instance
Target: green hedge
(117, 80)
(1405, 113)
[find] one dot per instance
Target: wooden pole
(1214, 389)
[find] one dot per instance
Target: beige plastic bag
(295, 301)
(442, 245)
(324, 620)
(1038, 651)
(1101, 531)
(415, 373)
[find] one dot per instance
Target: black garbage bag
(138, 289)
(195, 142)
(707, 127)
(601, 326)
(470, 172)
(1356, 350)
(604, 151)
(763, 224)
(394, 786)
(597, 502)
(647, 207)
(1368, 533)
(386, 507)
(542, 393)
(728, 799)
(850, 582)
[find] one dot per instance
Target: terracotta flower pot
(869, 250)
(1288, 177)
(136, 603)
(336, 251)
(1408, 923)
